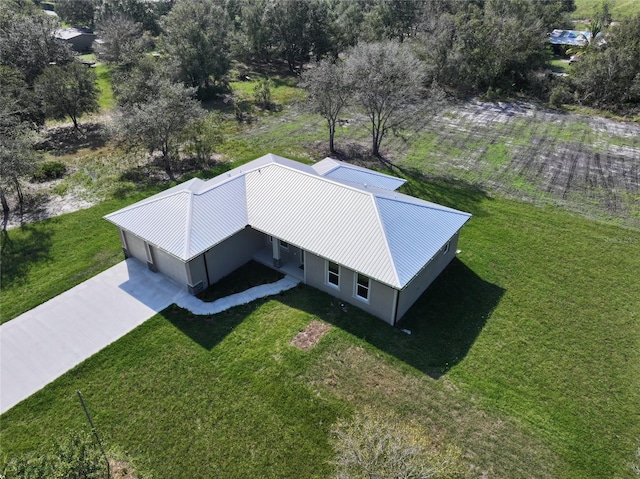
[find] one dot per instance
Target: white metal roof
(380, 233)
(338, 170)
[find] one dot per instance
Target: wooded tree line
(380, 56)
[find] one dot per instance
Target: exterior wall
(381, 297)
(169, 266)
(290, 255)
(135, 247)
(197, 275)
(423, 279)
(231, 254)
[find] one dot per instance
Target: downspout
(206, 269)
(396, 293)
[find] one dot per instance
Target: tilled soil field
(589, 165)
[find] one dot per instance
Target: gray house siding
(134, 246)
(381, 297)
(170, 266)
(232, 253)
(197, 275)
(423, 279)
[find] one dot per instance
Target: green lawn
(106, 100)
(532, 334)
(43, 259)
(620, 9)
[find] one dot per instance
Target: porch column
(275, 246)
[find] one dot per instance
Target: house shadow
(439, 329)
(208, 331)
(444, 323)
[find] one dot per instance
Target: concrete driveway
(44, 343)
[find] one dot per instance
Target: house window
(284, 245)
(333, 274)
(362, 287)
(445, 248)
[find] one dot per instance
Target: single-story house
(79, 39)
(569, 37)
(337, 227)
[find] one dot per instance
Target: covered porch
(282, 257)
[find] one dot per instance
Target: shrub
(375, 446)
(75, 457)
(49, 170)
(262, 93)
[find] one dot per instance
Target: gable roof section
(378, 232)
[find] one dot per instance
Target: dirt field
(589, 165)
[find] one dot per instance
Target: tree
(387, 79)
(373, 446)
(609, 76)
(28, 43)
(144, 12)
(123, 40)
(328, 91)
(301, 30)
(196, 36)
(76, 12)
(17, 156)
(68, 90)
(161, 121)
(202, 138)
(14, 89)
(257, 30)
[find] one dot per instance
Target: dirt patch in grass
(121, 470)
(309, 336)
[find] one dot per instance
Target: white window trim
(355, 288)
(326, 274)
(445, 248)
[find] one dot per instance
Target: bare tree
(328, 92)
(387, 79)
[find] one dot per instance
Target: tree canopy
(387, 79)
(68, 90)
(196, 36)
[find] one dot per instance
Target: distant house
(79, 39)
(337, 227)
(569, 37)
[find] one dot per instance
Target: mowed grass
(43, 259)
(532, 333)
(620, 9)
(105, 100)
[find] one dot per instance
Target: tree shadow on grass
(444, 190)
(444, 322)
(21, 248)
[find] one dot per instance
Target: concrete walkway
(44, 343)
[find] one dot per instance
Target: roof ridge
(386, 241)
(421, 203)
(147, 201)
(187, 240)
